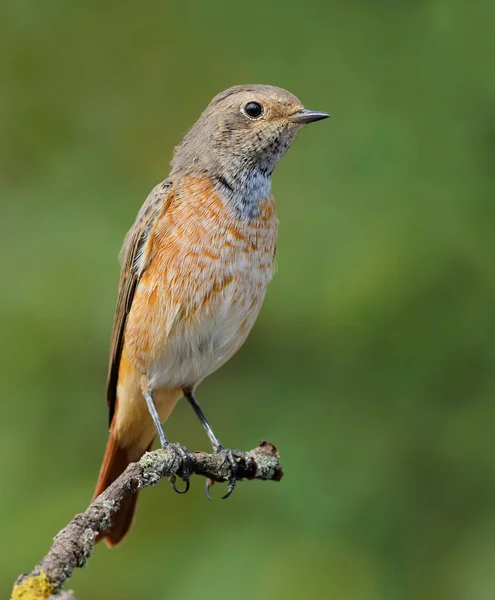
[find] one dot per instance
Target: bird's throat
(245, 191)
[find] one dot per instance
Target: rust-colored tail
(114, 463)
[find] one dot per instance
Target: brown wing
(134, 244)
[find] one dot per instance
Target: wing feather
(132, 269)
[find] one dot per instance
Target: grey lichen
(87, 541)
(109, 508)
(148, 460)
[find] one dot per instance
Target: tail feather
(114, 464)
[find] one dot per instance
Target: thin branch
(73, 545)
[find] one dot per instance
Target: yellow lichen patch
(36, 587)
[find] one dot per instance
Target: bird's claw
(172, 481)
(185, 458)
(208, 484)
(230, 457)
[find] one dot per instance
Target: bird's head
(244, 128)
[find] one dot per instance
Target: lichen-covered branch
(73, 545)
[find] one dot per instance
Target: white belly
(196, 348)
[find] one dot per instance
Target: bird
(195, 267)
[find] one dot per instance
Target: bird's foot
(185, 458)
(228, 456)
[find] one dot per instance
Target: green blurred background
(372, 366)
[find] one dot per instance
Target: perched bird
(195, 268)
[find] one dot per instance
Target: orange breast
(202, 287)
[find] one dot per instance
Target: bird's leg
(148, 396)
(216, 444)
(165, 444)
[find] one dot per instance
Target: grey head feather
(237, 152)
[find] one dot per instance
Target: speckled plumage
(195, 265)
(185, 323)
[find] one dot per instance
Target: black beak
(307, 116)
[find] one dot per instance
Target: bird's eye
(253, 110)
